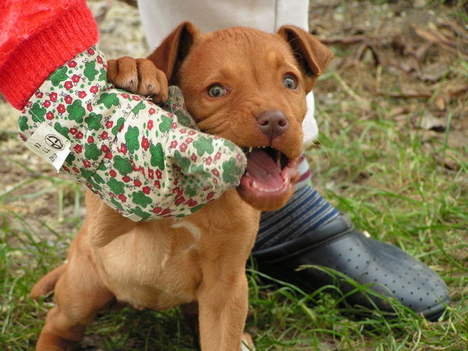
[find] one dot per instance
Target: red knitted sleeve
(38, 36)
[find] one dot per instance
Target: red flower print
(79, 135)
(150, 173)
(191, 132)
(99, 59)
(126, 179)
(90, 51)
(94, 89)
(73, 131)
(104, 148)
(109, 124)
(145, 144)
(215, 172)
(157, 210)
(90, 140)
(158, 174)
(218, 155)
(193, 158)
(109, 155)
(150, 124)
(76, 78)
(208, 160)
(112, 173)
(183, 147)
(122, 198)
(174, 125)
(86, 163)
(188, 140)
(179, 192)
(82, 94)
(180, 200)
(136, 98)
(68, 99)
(137, 183)
(152, 111)
(157, 184)
(49, 115)
(47, 104)
(123, 149)
(165, 212)
(210, 195)
(61, 108)
(104, 135)
(76, 170)
(146, 190)
(72, 64)
(53, 97)
(192, 203)
(173, 144)
(125, 95)
(39, 94)
(78, 148)
(68, 85)
(89, 107)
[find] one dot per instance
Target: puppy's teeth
(278, 158)
(250, 149)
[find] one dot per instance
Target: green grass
(376, 170)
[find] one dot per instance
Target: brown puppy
(241, 84)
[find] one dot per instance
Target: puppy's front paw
(139, 76)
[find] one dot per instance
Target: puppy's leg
(47, 283)
(79, 295)
(223, 310)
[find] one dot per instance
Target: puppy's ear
(313, 56)
(169, 55)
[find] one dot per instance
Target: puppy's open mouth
(269, 172)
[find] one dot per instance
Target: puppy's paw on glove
(144, 161)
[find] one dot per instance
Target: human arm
(122, 146)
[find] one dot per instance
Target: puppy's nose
(272, 123)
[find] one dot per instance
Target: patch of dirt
(412, 54)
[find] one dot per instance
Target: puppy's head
(249, 87)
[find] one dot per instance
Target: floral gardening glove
(145, 162)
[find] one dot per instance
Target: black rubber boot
(341, 247)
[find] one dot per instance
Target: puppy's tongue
(266, 173)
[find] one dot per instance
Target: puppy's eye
(290, 81)
(216, 91)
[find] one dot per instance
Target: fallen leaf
(429, 122)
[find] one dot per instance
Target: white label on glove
(50, 145)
